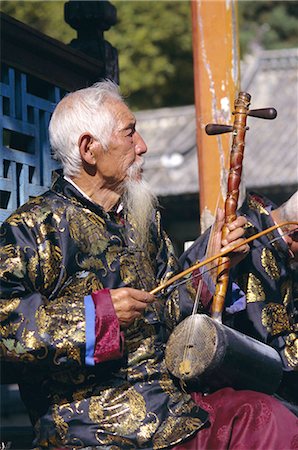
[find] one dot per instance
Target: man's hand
(234, 237)
(130, 304)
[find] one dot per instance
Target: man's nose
(140, 145)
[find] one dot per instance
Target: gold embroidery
(33, 269)
(66, 350)
(94, 239)
(255, 291)
(7, 307)
(127, 269)
(79, 285)
(63, 321)
(269, 263)
(173, 315)
(174, 428)
(123, 410)
(11, 260)
(291, 350)
(167, 385)
(114, 442)
(30, 341)
(61, 425)
(50, 257)
(96, 410)
(254, 204)
(89, 263)
(112, 257)
(147, 430)
(275, 319)
(14, 350)
(286, 292)
(30, 218)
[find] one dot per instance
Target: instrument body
(218, 356)
(201, 351)
(236, 159)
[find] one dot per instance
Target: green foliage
(155, 52)
(45, 16)
(154, 40)
(268, 24)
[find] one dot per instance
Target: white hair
(82, 111)
(288, 211)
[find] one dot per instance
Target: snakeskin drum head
(192, 347)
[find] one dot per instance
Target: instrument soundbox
(216, 356)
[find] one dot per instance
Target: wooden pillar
(216, 79)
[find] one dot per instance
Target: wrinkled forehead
(122, 114)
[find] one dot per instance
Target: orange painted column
(216, 80)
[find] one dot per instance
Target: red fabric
(205, 296)
(244, 420)
(108, 337)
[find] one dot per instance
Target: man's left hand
(235, 237)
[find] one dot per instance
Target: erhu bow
(213, 355)
(226, 252)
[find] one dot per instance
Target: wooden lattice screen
(25, 161)
(36, 72)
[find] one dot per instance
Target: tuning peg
(214, 128)
(263, 113)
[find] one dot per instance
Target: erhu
(202, 351)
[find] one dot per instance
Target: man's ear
(86, 146)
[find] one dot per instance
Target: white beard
(139, 202)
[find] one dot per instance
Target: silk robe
(56, 250)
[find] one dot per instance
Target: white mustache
(135, 167)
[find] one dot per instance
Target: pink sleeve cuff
(109, 340)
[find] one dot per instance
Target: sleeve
(45, 319)
(104, 340)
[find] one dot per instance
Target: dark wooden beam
(30, 51)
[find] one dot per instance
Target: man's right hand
(130, 304)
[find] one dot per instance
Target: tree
(155, 52)
(154, 40)
(268, 24)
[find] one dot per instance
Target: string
(199, 274)
(209, 267)
(192, 321)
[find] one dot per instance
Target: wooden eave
(30, 51)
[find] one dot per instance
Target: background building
(271, 149)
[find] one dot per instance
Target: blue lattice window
(26, 165)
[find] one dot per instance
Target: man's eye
(131, 133)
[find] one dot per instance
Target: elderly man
(77, 318)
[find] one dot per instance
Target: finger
(128, 293)
(142, 296)
(137, 306)
(241, 249)
(126, 319)
(219, 219)
(233, 236)
(237, 223)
